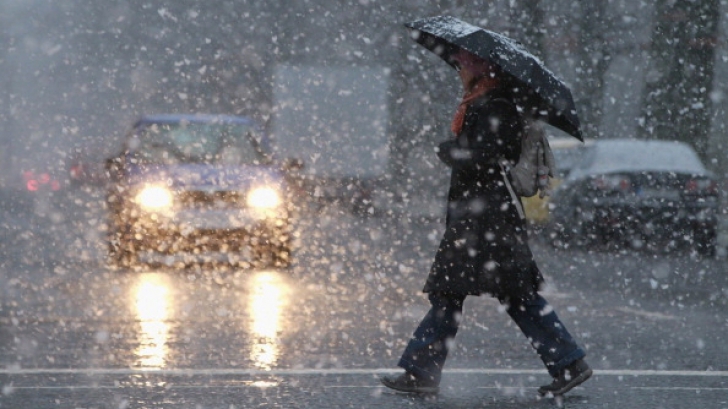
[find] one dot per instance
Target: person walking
(484, 249)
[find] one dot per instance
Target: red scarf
(480, 88)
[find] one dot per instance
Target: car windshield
(192, 142)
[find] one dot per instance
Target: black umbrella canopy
(444, 34)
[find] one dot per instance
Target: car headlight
(154, 197)
(264, 198)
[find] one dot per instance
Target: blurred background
(76, 73)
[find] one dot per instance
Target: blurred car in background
(48, 193)
(84, 169)
(567, 152)
(32, 204)
(200, 185)
(643, 193)
(41, 181)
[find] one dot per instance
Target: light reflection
(152, 308)
(265, 305)
(264, 384)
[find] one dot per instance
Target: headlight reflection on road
(266, 306)
(152, 303)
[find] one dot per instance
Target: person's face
(470, 67)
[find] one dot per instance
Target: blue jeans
(426, 352)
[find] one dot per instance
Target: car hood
(206, 177)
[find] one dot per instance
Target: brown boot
(573, 375)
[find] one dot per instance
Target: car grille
(215, 199)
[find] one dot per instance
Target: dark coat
(485, 247)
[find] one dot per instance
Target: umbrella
(444, 34)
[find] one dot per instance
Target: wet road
(76, 334)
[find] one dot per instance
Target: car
(84, 170)
(47, 190)
(199, 185)
(642, 193)
(567, 151)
